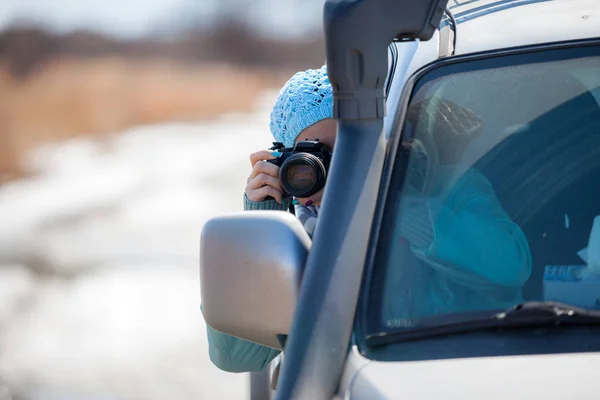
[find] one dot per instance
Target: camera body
(303, 168)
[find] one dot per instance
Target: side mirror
(251, 265)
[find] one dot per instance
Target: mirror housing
(251, 266)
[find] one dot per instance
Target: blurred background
(124, 126)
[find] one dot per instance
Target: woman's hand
(264, 179)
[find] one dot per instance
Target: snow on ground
(99, 289)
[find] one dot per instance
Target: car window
(500, 203)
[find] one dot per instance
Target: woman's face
(325, 131)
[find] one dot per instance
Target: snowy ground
(99, 289)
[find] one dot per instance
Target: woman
(465, 252)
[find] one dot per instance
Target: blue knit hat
(304, 100)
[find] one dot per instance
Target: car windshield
(500, 204)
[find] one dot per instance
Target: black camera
(303, 168)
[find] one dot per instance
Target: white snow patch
(123, 216)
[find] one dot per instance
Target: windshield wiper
(530, 314)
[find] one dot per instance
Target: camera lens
(303, 174)
(300, 177)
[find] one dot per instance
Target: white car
(507, 88)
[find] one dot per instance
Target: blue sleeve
(233, 354)
(472, 240)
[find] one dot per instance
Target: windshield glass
(500, 203)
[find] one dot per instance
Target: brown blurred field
(67, 97)
(56, 86)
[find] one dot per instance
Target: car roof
(494, 24)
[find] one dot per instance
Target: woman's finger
(263, 179)
(260, 156)
(264, 167)
(262, 193)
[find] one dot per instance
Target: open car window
(501, 199)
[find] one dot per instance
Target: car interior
(547, 173)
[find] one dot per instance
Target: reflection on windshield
(501, 191)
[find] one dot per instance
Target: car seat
(547, 174)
